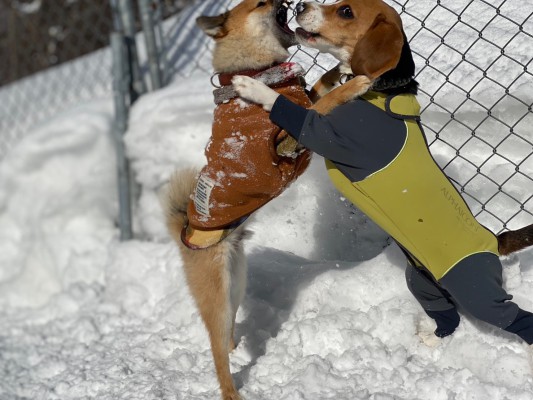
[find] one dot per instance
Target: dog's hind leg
(216, 277)
(209, 277)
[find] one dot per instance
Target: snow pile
(57, 212)
(327, 314)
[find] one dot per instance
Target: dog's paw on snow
(429, 338)
(240, 356)
(426, 332)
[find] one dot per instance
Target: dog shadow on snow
(344, 237)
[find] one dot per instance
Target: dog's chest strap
(280, 75)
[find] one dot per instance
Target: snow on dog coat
(243, 171)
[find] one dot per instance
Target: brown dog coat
(243, 171)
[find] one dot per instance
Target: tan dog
(216, 277)
(244, 171)
(243, 166)
(250, 37)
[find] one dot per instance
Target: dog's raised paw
(243, 85)
(253, 90)
(364, 83)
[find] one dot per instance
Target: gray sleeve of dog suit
(312, 130)
(358, 135)
(289, 116)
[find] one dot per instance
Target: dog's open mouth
(301, 32)
(282, 16)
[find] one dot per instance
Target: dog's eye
(345, 12)
(261, 4)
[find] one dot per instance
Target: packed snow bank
(327, 313)
(58, 204)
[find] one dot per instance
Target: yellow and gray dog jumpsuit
(379, 159)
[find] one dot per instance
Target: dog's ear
(379, 50)
(213, 26)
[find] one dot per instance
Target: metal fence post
(120, 92)
(137, 86)
(163, 48)
(151, 44)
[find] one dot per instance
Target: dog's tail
(176, 200)
(511, 241)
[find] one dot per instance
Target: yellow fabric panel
(405, 104)
(416, 204)
(402, 104)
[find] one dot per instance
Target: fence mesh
(53, 55)
(475, 69)
(49, 36)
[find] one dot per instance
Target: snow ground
(327, 313)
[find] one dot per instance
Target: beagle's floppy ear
(213, 26)
(379, 50)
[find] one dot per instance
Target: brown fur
(246, 38)
(368, 45)
(325, 84)
(342, 94)
(241, 32)
(384, 41)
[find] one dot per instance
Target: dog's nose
(300, 7)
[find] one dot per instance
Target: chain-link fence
(55, 54)
(475, 69)
(474, 66)
(45, 36)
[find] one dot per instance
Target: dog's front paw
(255, 91)
(363, 83)
(425, 331)
(244, 86)
(429, 339)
